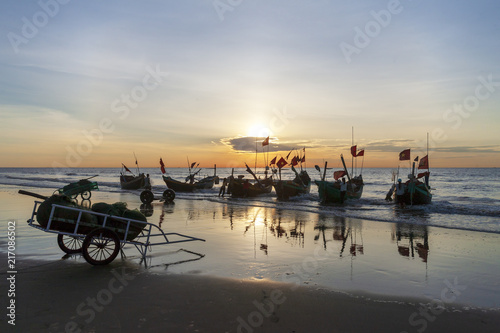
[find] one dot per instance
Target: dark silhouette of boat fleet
(413, 191)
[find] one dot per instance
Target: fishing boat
(130, 181)
(239, 187)
(301, 184)
(329, 191)
(416, 189)
(190, 184)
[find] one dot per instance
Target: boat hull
(329, 192)
(132, 182)
(286, 189)
(177, 186)
(415, 194)
(238, 189)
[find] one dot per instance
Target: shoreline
(63, 296)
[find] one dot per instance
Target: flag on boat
(273, 161)
(162, 166)
(193, 164)
(281, 163)
(295, 161)
(422, 174)
(361, 153)
(265, 142)
(126, 169)
(248, 169)
(338, 174)
(424, 163)
(416, 159)
(404, 155)
(353, 151)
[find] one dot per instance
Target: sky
(91, 83)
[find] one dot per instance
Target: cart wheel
(100, 246)
(69, 244)
(169, 195)
(147, 197)
(86, 195)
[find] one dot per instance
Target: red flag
(281, 163)
(404, 155)
(126, 169)
(339, 174)
(353, 151)
(273, 161)
(192, 164)
(361, 153)
(295, 161)
(265, 142)
(303, 159)
(162, 166)
(422, 174)
(424, 163)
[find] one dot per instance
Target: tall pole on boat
(137, 165)
(352, 156)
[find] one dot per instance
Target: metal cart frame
(101, 245)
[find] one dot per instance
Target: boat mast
(352, 156)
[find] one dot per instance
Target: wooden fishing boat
(329, 192)
(242, 188)
(129, 181)
(178, 186)
(416, 191)
(132, 182)
(286, 189)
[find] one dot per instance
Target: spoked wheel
(147, 197)
(86, 195)
(169, 195)
(70, 244)
(100, 246)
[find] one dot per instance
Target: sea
(463, 198)
(368, 245)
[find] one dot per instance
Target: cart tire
(147, 197)
(70, 244)
(100, 246)
(169, 195)
(86, 195)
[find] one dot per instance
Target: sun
(258, 131)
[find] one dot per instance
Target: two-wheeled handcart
(100, 237)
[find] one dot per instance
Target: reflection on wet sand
(342, 232)
(410, 237)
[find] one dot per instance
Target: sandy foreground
(72, 296)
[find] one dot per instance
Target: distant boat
(131, 181)
(329, 192)
(301, 184)
(191, 184)
(416, 192)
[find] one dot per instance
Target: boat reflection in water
(345, 231)
(411, 238)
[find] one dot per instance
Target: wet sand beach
(261, 269)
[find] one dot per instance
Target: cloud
(467, 149)
(248, 144)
